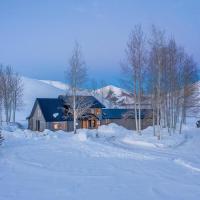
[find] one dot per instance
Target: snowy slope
(56, 84)
(118, 165)
(33, 89)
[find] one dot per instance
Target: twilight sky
(37, 36)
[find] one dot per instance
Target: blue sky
(37, 36)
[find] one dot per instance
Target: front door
(92, 123)
(37, 125)
(85, 124)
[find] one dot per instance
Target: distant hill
(33, 89)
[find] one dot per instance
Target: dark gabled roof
(52, 108)
(89, 101)
(118, 113)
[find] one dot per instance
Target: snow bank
(117, 133)
(147, 139)
(112, 130)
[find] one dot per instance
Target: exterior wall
(97, 112)
(55, 126)
(147, 122)
(127, 123)
(37, 116)
(70, 126)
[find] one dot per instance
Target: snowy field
(113, 164)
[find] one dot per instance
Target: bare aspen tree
(1, 94)
(11, 93)
(1, 138)
(76, 76)
(170, 87)
(172, 75)
(1, 101)
(7, 85)
(136, 54)
(17, 95)
(83, 106)
(189, 96)
(157, 62)
(151, 87)
(169, 82)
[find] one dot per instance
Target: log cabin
(56, 114)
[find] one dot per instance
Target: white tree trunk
(74, 111)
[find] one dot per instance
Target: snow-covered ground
(111, 163)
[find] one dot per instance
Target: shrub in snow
(1, 139)
(10, 127)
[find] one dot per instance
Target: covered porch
(89, 121)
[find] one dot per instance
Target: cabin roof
(89, 101)
(52, 108)
(118, 113)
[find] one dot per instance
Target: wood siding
(127, 123)
(37, 118)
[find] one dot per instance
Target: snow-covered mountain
(117, 97)
(116, 90)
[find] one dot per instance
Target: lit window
(55, 126)
(97, 111)
(58, 126)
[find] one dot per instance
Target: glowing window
(58, 126)
(98, 111)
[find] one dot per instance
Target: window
(59, 126)
(37, 125)
(98, 111)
